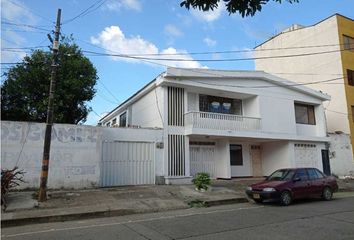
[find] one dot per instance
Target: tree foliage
(25, 91)
(243, 7)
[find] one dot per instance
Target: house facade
(327, 61)
(228, 123)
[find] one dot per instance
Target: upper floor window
(350, 76)
(305, 114)
(348, 43)
(220, 105)
(123, 120)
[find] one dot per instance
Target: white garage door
(127, 163)
(202, 160)
(306, 155)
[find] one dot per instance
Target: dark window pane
(123, 120)
(319, 174)
(350, 76)
(305, 114)
(301, 173)
(312, 174)
(348, 43)
(236, 155)
(220, 105)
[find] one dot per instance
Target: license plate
(256, 196)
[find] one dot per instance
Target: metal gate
(202, 160)
(127, 163)
(306, 155)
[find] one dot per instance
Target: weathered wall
(75, 156)
(341, 155)
(75, 151)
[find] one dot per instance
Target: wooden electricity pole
(42, 195)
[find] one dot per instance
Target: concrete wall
(145, 112)
(340, 156)
(75, 151)
(276, 155)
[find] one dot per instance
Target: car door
(301, 184)
(316, 183)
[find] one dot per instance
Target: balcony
(220, 122)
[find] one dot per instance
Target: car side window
(319, 173)
(302, 174)
(312, 174)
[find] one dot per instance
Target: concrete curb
(79, 216)
(105, 213)
(225, 201)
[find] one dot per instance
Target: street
(311, 219)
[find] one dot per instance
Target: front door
(325, 162)
(236, 159)
(256, 161)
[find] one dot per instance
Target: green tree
(243, 7)
(24, 93)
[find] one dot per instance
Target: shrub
(201, 181)
(10, 178)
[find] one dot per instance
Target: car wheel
(327, 194)
(285, 198)
(258, 200)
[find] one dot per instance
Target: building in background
(228, 123)
(323, 55)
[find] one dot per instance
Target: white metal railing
(220, 121)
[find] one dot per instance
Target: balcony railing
(219, 121)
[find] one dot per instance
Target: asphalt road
(303, 220)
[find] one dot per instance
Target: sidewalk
(23, 208)
(79, 204)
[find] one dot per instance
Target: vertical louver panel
(175, 106)
(176, 155)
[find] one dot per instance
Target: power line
(26, 25)
(15, 48)
(16, 30)
(109, 91)
(210, 60)
(30, 10)
(96, 4)
(217, 52)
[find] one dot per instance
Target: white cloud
(116, 5)
(173, 31)
(14, 13)
(208, 16)
(209, 42)
(112, 38)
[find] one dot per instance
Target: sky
(151, 27)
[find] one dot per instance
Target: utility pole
(42, 195)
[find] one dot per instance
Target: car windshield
(281, 175)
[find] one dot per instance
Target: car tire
(258, 200)
(327, 194)
(285, 198)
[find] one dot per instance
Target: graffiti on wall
(18, 131)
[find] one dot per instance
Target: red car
(285, 185)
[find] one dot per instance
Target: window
(312, 174)
(350, 76)
(220, 105)
(301, 173)
(114, 121)
(305, 114)
(236, 155)
(348, 43)
(319, 174)
(108, 124)
(353, 113)
(123, 120)
(282, 175)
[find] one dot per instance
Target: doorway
(236, 158)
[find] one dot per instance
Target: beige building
(322, 55)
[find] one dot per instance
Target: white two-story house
(228, 123)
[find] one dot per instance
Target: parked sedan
(285, 185)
